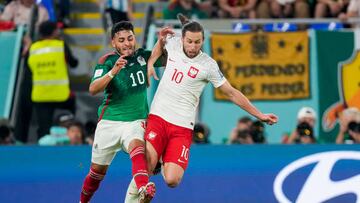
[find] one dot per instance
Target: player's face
(124, 42)
(192, 43)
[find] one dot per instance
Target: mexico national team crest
(193, 72)
(141, 60)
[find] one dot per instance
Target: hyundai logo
(319, 179)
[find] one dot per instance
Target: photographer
(201, 134)
(257, 132)
(304, 132)
(241, 134)
(349, 126)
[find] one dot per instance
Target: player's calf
(139, 166)
(91, 184)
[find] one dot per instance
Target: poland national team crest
(151, 135)
(193, 72)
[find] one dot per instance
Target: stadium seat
(241, 27)
(49, 5)
(327, 26)
(280, 27)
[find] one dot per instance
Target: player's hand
(269, 118)
(164, 32)
(151, 73)
(119, 64)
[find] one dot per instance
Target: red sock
(139, 166)
(91, 184)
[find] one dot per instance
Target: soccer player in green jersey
(122, 75)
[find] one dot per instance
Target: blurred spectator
(237, 8)
(353, 10)
(64, 119)
(330, 8)
(189, 8)
(304, 132)
(63, 13)
(19, 12)
(57, 136)
(201, 134)
(241, 134)
(67, 132)
(90, 127)
(349, 118)
(257, 132)
(48, 60)
(75, 132)
(290, 8)
(119, 10)
(6, 137)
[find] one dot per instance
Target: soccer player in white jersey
(172, 115)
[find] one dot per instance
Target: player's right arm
(99, 84)
(157, 51)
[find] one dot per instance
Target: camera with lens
(305, 129)
(354, 126)
(257, 132)
(200, 134)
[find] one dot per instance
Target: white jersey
(182, 83)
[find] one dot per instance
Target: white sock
(132, 193)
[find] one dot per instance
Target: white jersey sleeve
(215, 76)
(172, 43)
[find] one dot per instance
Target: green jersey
(125, 97)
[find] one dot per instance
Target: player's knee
(172, 181)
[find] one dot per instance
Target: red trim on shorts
(105, 106)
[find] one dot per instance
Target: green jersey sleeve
(102, 69)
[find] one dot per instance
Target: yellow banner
(264, 66)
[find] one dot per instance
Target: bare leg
(173, 174)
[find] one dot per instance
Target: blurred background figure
(349, 121)
(56, 137)
(290, 8)
(354, 130)
(241, 133)
(352, 10)
(18, 11)
(237, 9)
(6, 133)
(118, 10)
(257, 132)
(90, 127)
(75, 132)
(304, 132)
(63, 12)
(201, 134)
(48, 59)
(189, 8)
(330, 8)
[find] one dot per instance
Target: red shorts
(170, 141)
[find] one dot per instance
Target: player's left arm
(242, 101)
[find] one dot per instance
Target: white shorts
(113, 136)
